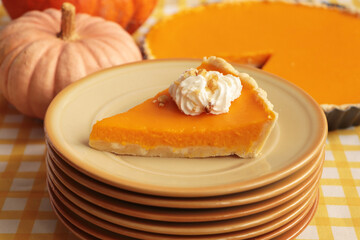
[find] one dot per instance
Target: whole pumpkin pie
(314, 46)
(161, 127)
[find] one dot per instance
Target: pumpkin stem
(67, 31)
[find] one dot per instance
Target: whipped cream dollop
(198, 91)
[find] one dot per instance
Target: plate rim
(178, 228)
(298, 227)
(312, 182)
(185, 191)
(290, 215)
(291, 232)
(230, 200)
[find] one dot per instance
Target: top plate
(298, 136)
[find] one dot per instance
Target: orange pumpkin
(130, 14)
(38, 58)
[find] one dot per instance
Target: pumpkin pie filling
(159, 128)
(315, 47)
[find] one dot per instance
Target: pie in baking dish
(313, 45)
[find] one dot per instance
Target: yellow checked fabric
(25, 211)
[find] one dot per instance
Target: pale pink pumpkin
(38, 58)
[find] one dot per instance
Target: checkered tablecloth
(25, 211)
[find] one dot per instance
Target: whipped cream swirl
(198, 91)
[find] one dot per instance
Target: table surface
(25, 211)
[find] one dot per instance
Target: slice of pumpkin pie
(211, 110)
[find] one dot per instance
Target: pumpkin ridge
(31, 23)
(20, 28)
(90, 50)
(4, 44)
(20, 45)
(123, 43)
(114, 40)
(54, 89)
(85, 26)
(91, 41)
(34, 107)
(4, 84)
(94, 22)
(108, 33)
(112, 46)
(14, 67)
(81, 20)
(86, 56)
(69, 57)
(36, 17)
(105, 31)
(48, 32)
(126, 44)
(55, 16)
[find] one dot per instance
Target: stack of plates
(99, 195)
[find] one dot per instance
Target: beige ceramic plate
(300, 133)
(170, 214)
(76, 204)
(294, 227)
(107, 230)
(75, 230)
(237, 199)
(79, 194)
